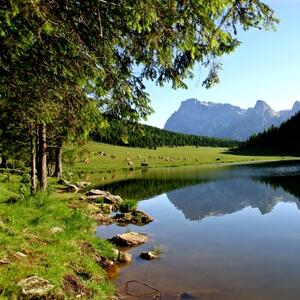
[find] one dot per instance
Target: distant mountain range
(226, 120)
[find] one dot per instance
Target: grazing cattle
(130, 163)
(139, 156)
(218, 159)
(113, 156)
(143, 164)
(86, 161)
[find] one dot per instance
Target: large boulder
(35, 287)
(129, 239)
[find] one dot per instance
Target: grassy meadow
(42, 235)
(90, 158)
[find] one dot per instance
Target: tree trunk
(33, 161)
(42, 168)
(4, 162)
(58, 161)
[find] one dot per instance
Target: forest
(283, 139)
(146, 136)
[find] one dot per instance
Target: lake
(229, 232)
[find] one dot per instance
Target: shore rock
(129, 239)
(148, 255)
(102, 219)
(72, 188)
(122, 256)
(108, 198)
(35, 287)
(82, 184)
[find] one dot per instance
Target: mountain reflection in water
(231, 195)
(229, 233)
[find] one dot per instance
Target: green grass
(26, 225)
(117, 157)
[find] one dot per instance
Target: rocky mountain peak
(262, 105)
(226, 120)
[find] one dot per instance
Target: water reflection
(231, 195)
(246, 245)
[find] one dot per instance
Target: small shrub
(128, 206)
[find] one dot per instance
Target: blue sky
(266, 66)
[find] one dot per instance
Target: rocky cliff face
(225, 120)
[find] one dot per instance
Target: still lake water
(228, 233)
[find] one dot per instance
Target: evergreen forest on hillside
(145, 136)
(285, 139)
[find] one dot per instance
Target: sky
(265, 66)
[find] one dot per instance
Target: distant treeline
(285, 139)
(145, 136)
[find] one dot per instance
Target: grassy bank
(43, 236)
(97, 157)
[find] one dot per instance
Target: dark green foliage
(283, 139)
(145, 136)
(128, 206)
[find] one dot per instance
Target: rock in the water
(136, 217)
(129, 239)
(35, 287)
(148, 255)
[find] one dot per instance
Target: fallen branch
(156, 294)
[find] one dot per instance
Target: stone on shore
(35, 287)
(122, 256)
(108, 198)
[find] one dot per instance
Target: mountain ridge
(225, 120)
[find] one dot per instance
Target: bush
(128, 206)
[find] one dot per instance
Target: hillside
(225, 120)
(145, 136)
(285, 139)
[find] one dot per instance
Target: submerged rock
(35, 287)
(148, 255)
(129, 239)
